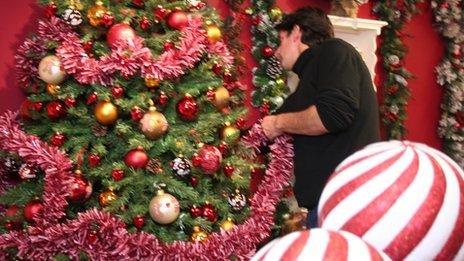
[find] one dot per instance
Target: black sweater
(333, 77)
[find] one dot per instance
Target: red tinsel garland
(127, 58)
(104, 237)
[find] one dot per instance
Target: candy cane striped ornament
(319, 244)
(404, 198)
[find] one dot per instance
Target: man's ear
(296, 34)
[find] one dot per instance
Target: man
(333, 111)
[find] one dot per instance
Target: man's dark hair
(313, 22)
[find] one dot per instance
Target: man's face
(287, 52)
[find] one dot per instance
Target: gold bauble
(227, 224)
(151, 82)
(53, 89)
(50, 70)
(164, 208)
(230, 134)
(221, 98)
(106, 198)
(96, 13)
(198, 234)
(105, 112)
(275, 14)
(214, 33)
(280, 82)
(153, 124)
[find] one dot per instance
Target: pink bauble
(404, 198)
(50, 70)
(319, 244)
(120, 32)
(164, 208)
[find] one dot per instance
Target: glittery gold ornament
(221, 98)
(198, 234)
(106, 112)
(53, 89)
(164, 208)
(230, 134)
(151, 82)
(275, 14)
(96, 13)
(214, 33)
(227, 224)
(153, 124)
(107, 197)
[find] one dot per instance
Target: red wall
(19, 19)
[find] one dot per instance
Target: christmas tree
(139, 103)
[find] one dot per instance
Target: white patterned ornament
(317, 245)
(404, 198)
(72, 17)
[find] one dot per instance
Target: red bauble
(209, 213)
(144, 23)
(210, 159)
(117, 174)
(80, 189)
(14, 223)
(55, 110)
(70, 102)
(241, 123)
(257, 172)
(138, 221)
(91, 98)
(117, 92)
(25, 109)
(162, 99)
(136, 158)
(136, 114)
(196, 160)
(120, 32)
(177, 20)
(228, 170)
(57, 139)
(160, 12)
(264, 109)
(88, 46)
(92, 237)
(211, 95)
(195, 211)
(217, 68)
(94, 160)
(193, 181)
(50, 10)
(228, 78)
(267, 51)
(32, 208)
(187, 108)
(168, 45)
(107, 19)
(223, 148)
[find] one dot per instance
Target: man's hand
(269, 127)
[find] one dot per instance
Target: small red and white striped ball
(404, 198)
(319, 244)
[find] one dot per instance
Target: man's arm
(306, 122)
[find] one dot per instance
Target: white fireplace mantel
(362, 34)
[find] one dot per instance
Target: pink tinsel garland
(127, 58)
(48, 237)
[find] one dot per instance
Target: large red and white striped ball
(404, 198)
(319, 244)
